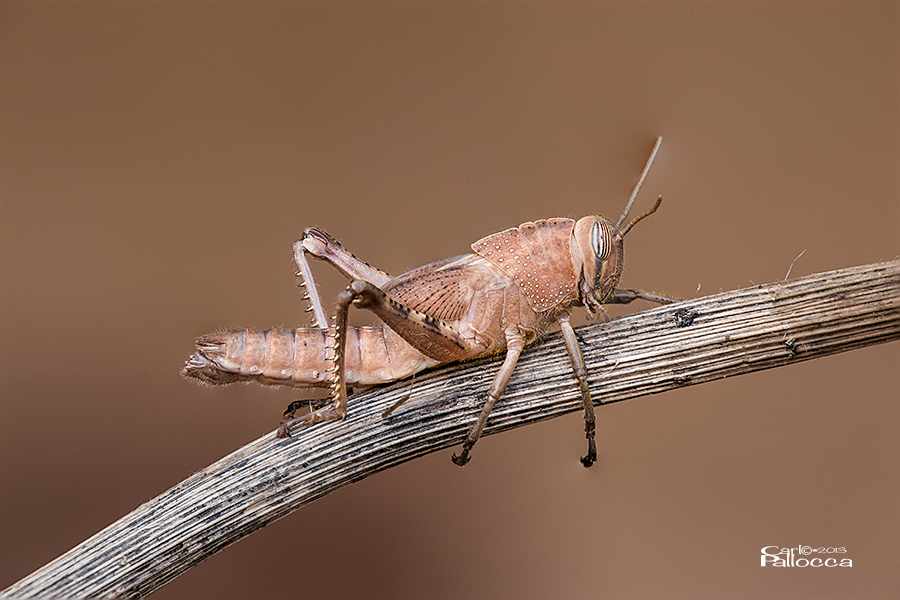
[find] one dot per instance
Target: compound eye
(601, 240)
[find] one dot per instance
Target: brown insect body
(510, 281)
(511, 290)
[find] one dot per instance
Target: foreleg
(581, 374)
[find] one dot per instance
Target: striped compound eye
(601, 240)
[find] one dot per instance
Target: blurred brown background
(157, 160)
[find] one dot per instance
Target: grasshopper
(512, 288)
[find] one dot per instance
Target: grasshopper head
(599, 247)
(598, 244)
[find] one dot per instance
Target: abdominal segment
(302, 357)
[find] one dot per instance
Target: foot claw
(462, 459)
(591, 457)
(291, 409)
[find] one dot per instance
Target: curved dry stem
(644, 353)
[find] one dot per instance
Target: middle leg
(515, 342)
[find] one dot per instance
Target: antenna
(643, 216)
(637, 188)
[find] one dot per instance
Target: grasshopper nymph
(512, 288)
